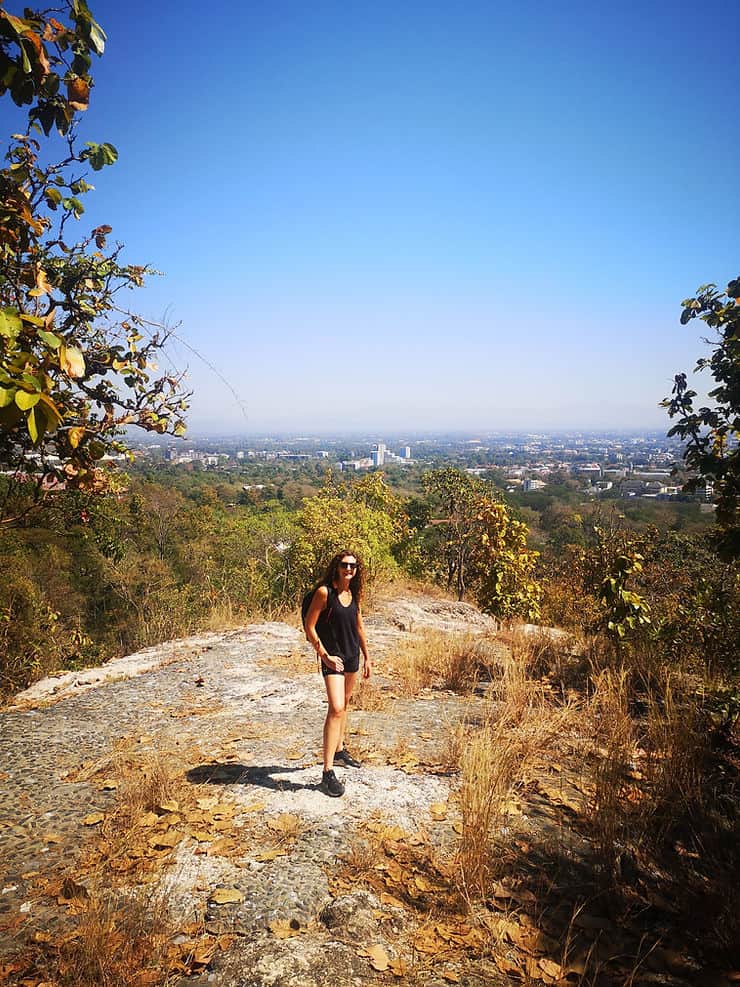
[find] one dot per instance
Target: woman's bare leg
(335, 717)
(349, 683)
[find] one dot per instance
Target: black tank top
(337, 628)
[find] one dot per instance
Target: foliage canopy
(712, 433)
(76, 367)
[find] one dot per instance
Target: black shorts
(350, 665)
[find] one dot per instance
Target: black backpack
(306, 603)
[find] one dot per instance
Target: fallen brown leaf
(285, 928)
(226, 896)
(377, 956)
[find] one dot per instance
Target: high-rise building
(378, 454)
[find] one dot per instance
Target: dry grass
(391, 588)
(614, 743)
(119, 940)
(367, 695)
(146, 783)
(677, 749)
(444, 661)
(495, 762)
(118, 930)
(520, 728)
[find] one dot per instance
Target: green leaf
(10, 323)
(26, 401)
(49, 338)
(33, 429)
(100, 155)
(7, 396)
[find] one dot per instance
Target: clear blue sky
(423, 214)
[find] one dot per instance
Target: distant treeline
(91, 576)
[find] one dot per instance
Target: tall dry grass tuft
(120, 940)
(613, 735)
(146, 783)
(495, 761)
(445, 661)
(520, 727)
(368, 696)
(677, 747)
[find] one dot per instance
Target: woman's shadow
(218, 773)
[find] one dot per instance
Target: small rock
(352, 915)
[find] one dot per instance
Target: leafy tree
(363, 516)
(478, 546)
(505, 581)
(76, 367)
(456, 497)
(712, 433)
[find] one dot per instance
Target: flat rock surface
(242, 711)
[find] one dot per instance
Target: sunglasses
(348, 565)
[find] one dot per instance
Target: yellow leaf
(377, 956)
(42, 286)
(201, 836)
(204, 952)
(165, 841)
(398, 968)
(271, 854)
(169, 806)
(71, 360)
(438, 811)
(285, 928)
(75, 436)
(226, 896)
(220, 846)
(93, 819)
(285, 823)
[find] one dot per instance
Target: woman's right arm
(318, 605)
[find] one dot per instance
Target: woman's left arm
(367, 665)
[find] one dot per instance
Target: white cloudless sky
(422, 215)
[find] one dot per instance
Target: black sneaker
(331, 784)
(344, 757)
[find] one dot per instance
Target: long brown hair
(332, 574)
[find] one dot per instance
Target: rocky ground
(164, 813)
(241, 714)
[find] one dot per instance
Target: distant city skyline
(420, 216)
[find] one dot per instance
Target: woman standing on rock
(334, 628)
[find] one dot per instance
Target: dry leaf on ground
(226, 896)
(377, 956)
(438, 811)
(272, 854)
(283, 928)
